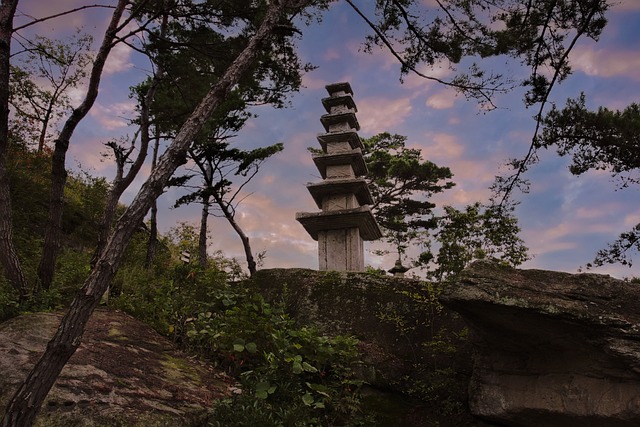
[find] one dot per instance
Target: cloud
(606, 62)
(119, 59)
(331, 54)
(631, 220)
(442, 100)
(442, 147)
(626, 6)
(377, 114)
(115, 116)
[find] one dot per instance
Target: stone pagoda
(343, 196)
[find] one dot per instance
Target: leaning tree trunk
(153, 218)
(224, 207)
(53, 231)
(122, 181)
(8, 256)
(28, 399)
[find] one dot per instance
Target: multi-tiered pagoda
(346, 219)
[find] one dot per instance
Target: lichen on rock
(123, 374)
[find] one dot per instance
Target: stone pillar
(345, 220)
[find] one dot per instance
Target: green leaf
(297, 368)
(251, 347)
(264, 389)
(307, 399)
(309, 368)
(238, 347)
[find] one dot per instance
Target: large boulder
(392, 317)
(123, 374)
(551, 349)
(410, 345)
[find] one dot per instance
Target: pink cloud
(331, 54)
(382, 114)
(625, 5)
(119, 59)
(114, 116)
(442, 100)
(606, 62)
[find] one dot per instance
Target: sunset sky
(564, 219)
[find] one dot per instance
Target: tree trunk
(202, 237)
(25, 404)
(104, 228)
(45, 125)
(122, 180)
(53, 231)
(224, 207)
(153, 219)
(251, 263)
(8, 256)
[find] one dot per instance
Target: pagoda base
(341, 250)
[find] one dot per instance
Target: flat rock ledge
(123, 374)
(551, 349)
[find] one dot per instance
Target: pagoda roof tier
(339, 118)
(339, 87)
(335, 101)
(350, 136)
(360, 218)
(356, 186)
(353, 158)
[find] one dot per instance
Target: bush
(291, 376)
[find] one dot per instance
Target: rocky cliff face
(123, 374)
(551, 349)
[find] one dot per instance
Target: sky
(564, 219)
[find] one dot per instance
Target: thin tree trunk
(202, 237)
(122, 180)
(43, 131)
(25, 404)
(53, 231)
(224, 207)
(104, 228)
(153, 219)
(251, 263)
(8, 255)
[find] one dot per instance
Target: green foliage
(289, 375)
(600, 140)
(401, 183)
(9, 306)
(40, 81)
(474, 233)
(29, 174)
(294, 374)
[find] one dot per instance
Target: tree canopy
(599, 140)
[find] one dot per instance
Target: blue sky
(564, 219)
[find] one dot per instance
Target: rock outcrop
(409, 344)
(123, 373)
(551, 349)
